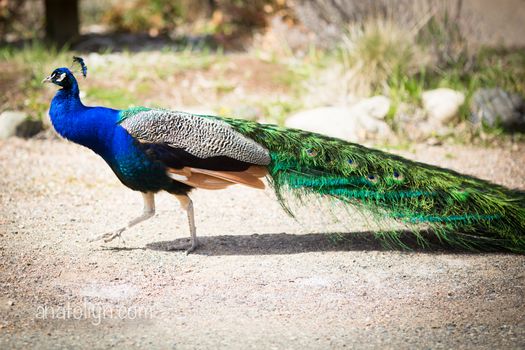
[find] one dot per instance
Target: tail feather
(459, 209)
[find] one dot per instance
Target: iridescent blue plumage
(97, 128)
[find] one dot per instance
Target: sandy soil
(261, 280)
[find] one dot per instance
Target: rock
(373, 127)
(360, 122)
(29, 128)
(423, 130)
(9, 122)
(331, 121)
(442, 105)
(497, 107)
(14, 123)
(197, 110)
(246, 112)
(434, 141)
(376, 107)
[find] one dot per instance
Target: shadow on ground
(282, 243)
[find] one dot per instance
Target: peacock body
(152, 150)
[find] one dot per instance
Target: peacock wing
(199, 151)
(200, 136)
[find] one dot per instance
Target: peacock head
(63, 77)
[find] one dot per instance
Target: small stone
(376, 107)
(331, 121)
(246, 112)
(198, 110)
(357, 123)
(433, 141)
(497, 107)
(14, 123)
(9, 123)
(373, 126)
(421, 131)
(442, 105)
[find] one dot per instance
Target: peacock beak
(47, 80)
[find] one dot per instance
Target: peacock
(152, 150)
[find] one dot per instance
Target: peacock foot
(184, 246)
(108, 237)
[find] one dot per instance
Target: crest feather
(80, 62)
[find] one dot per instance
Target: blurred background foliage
(265, 59)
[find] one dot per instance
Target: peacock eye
(352, 163)
(61, 77)
(311, 152)
(372, 178)
(397, 175)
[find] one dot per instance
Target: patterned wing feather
(200, 136)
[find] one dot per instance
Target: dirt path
(262, 280)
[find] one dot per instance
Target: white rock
(350, 124)
(331, 121)
(376, 107)
(373, 126)
(196, 110)
(9, 122)
(442, 105)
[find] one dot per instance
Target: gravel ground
(261, 280)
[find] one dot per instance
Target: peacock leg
(148, 212)
(187, 204)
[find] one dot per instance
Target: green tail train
(459, 209)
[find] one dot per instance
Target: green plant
(374, 52)
(116, 97)
(23, 69)
(276, 110)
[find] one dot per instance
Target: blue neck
(92, 127)
(67, 100)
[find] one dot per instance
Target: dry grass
(373, 52)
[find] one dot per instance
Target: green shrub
(375, 51)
